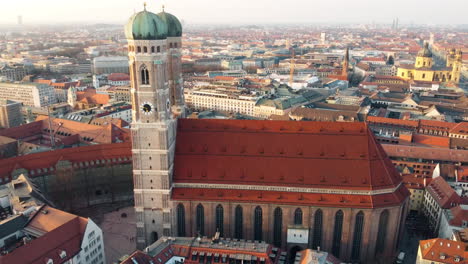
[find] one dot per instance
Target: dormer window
(63, 254)
(50, 261)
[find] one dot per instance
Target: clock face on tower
(146, 108)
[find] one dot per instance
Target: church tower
(424, 57)
(456, 67)
(344, 71)
(174, 44)
(153, 126)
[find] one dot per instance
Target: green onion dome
(145, 26)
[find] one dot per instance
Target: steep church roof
(321, 156)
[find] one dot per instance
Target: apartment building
(30, 94)
(212, 99)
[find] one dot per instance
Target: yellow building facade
(424, 69)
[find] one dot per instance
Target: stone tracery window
(317, 238)
(200, 219)
(337, 234)
(220, 219)
(277, 226)
(358, 227)
(180, 220)
(298, 216)
(382, 232)
(258, 219)
(238, 222)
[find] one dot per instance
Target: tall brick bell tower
(154, 43)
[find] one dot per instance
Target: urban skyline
(239, 12)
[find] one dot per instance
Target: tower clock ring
(147, 108)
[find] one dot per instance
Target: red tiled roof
(460, 128)
(437, 125)
(459, 215)
(281, 153)
(413, 182)
(432, 249)
(392, 121)
(443, 193)
(90, 96)
(225, 78)
(291, 198)
(426, 153)
(431, 140)
(118, 77)
(79, 154)
(373, 59)
(67, 236)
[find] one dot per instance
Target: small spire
(163, 8)
(144, 5)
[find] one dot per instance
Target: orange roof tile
(47, 160)
(433, 249)
(392, 121)
(282, 153)
(443, 193)
(431, 140)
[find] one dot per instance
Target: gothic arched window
(382, 232)
(152, 49)
(298, 216)
(277, 226)
(138, 49)
(145, 49)
(258, 219)
(317, 239)
(158, 48)
(220, 219)
(170, 45)
(144, 75)
(180, 220)
(200, 219)
(358, 226)
(337, 233)
(238, 222)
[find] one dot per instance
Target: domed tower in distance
(174, 44)
(153, 126)
(424, 57)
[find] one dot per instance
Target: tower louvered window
(144, 75)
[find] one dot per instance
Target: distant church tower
(71, 97)
(154, 43)
(344, 71)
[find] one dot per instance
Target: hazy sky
(239, 11)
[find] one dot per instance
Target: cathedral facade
(294, 184)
